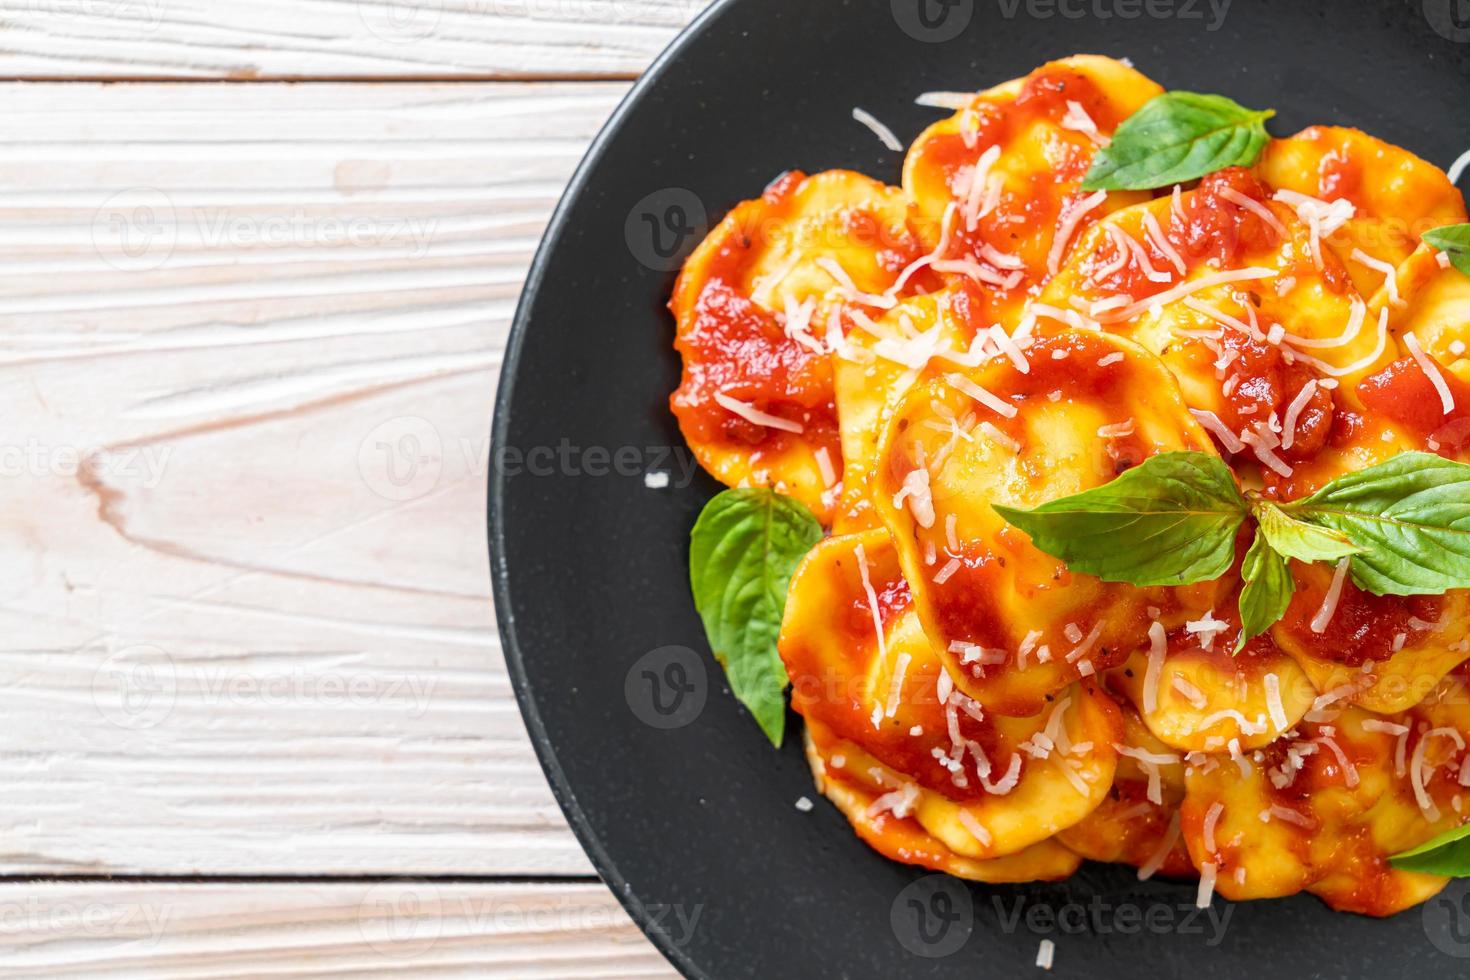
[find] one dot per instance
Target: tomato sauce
(1023, 223)
(1403, 392)
(1364, 626)
(1269, 386)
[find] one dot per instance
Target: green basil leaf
(742, 553)
(1267, 592)
(1412, 517)
(1170, 521)
(1454, 241)
(1177, 137)
(1298, 539)
(1447, 855)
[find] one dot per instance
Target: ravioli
(1385, 653)
(754, 305)
(1395, 196)
(1225, 285)
(983, 785)
(1198, 700)
(1086, 408)
(1002, 175)
(1138, 823)
(903, 841)
(879, 362)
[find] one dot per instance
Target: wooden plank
(305, 39)
(406, 929)
(252, 633)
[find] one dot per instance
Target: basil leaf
(1170, 521)
(742, 553)
(1298, 539)
(1177, 137)
(1267, 592)
(1454, 241)
(1411, 514)
(1447, 855)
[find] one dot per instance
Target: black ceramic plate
(684, 807)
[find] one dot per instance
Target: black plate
(694, 825)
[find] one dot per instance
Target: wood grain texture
(306, 39)
(250, 630)
(400, 929)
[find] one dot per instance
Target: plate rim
(500, 587)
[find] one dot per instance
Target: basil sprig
(1447, 855)
(1453, 241)
(1177, 137)
(1183, 509)
(1404, 525)
(742, 553)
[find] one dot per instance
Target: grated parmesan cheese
(991, 401)
(1045, 953)
(755, 416)
(1079, 121)
(1329, 602)
(881, 131)
(1431, 371)
(1390, 274)
(1158, 644)
(1273, 703)
(1067, 227)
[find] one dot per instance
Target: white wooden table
(258, 260)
